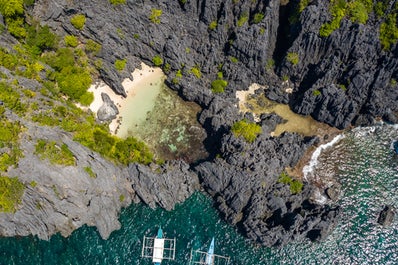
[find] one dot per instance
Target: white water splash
(309, 169)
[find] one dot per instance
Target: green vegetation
(125, 151)
(78, 21)
(298, 9)
(9, 143)
(95, 136)
(178, 76)
(166, 68)
(380, 8)
(316, 93)
(213, 25)
(292, 57)
(71, 41)
(233, 59)
(60, 155)
(357, 10)
(40, 39)
(179, 73)
(93, 47)
(120, 64)
(121, 198)
(270, 64)
(296, 186)
(258, 17)
(389, 32)
(219, 85)
(65, 82)
(120, 33)
(90, 172)
(155, 15)
(11, 98)
(73, 80)
(196, 71)
(343, 87)
(248, 130)
(183, 1)
(157, 60)
(33, 184)
(117, 2)
(393, 82)
(11, 191)
(11, 8)
(244, 17)
(12, 11)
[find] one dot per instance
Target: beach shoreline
(130, 85)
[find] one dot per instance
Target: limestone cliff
(343, 79)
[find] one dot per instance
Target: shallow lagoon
(156, 115)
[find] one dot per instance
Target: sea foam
(309, 169)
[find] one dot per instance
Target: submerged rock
(333, 192)
(395, 146)
(386, 216)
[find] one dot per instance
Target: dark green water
(363, 162)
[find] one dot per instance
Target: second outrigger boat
(208, 258)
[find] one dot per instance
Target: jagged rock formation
(63, 199)
(164, 185)
(243, 180)
(245, 187)
(349, 68)
(386, 216)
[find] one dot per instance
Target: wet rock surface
(341, 80)
(386, 216)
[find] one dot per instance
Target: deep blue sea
(362, 161)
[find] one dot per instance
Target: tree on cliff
(10, 8)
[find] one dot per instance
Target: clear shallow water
(362, 161)
(159, 117)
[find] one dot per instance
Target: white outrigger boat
(208, 258)
(158, 248)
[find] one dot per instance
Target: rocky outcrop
(244, 179)
(386, 216)
(108, 111)
(63, 198)
(244, 184)
(164, 185)
(341, 79)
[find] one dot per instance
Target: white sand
(243, 94)
(138, 76)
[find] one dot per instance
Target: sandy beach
(130, 86)
(242, 95)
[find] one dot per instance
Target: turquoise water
(363, 162)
